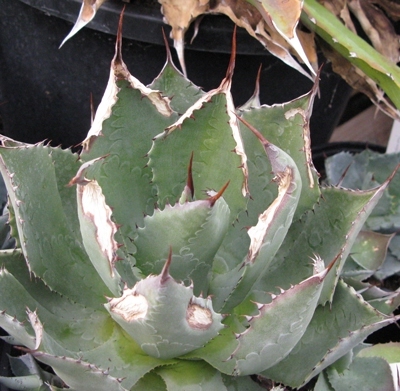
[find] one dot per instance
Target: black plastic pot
(45, 91)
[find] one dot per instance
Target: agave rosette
(189, 243)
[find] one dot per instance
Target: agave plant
(188, 245)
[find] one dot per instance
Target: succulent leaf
(29, 382)
(369, 373)
(76, 372)
(389, 351)
(194, 231)
(70, 327)
(376, 365)
(11, 306)
(322, 383)
(122, 358)
(219, 350)
(29, 376)
(380, 298)
(56, 221)
(97, 228)
(164, 317)
(367, 255)
(182, 92)
(329, 337)
(17, 330)
(130, 173)
(240, 383)
(265, 342)
(287, 127)
(150, 381)
(185, 374)
(372, 197)
(364, 171)
(328, 235)
(267, 235)
(125, 109)
(210, 135)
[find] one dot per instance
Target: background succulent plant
(189, 245)
(366, 170)
(372, 366)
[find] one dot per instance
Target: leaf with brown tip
(86, 14)
(179, 14)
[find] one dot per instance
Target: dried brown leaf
(391, 7)
(86, 14)
(341, 11)
(285, 14)
(240, 12)
(335, 6)
(245, 15)
(374, 18)
(89, 8)
(307, 40)
(358, 80)
(378, 27)
(179, 14)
